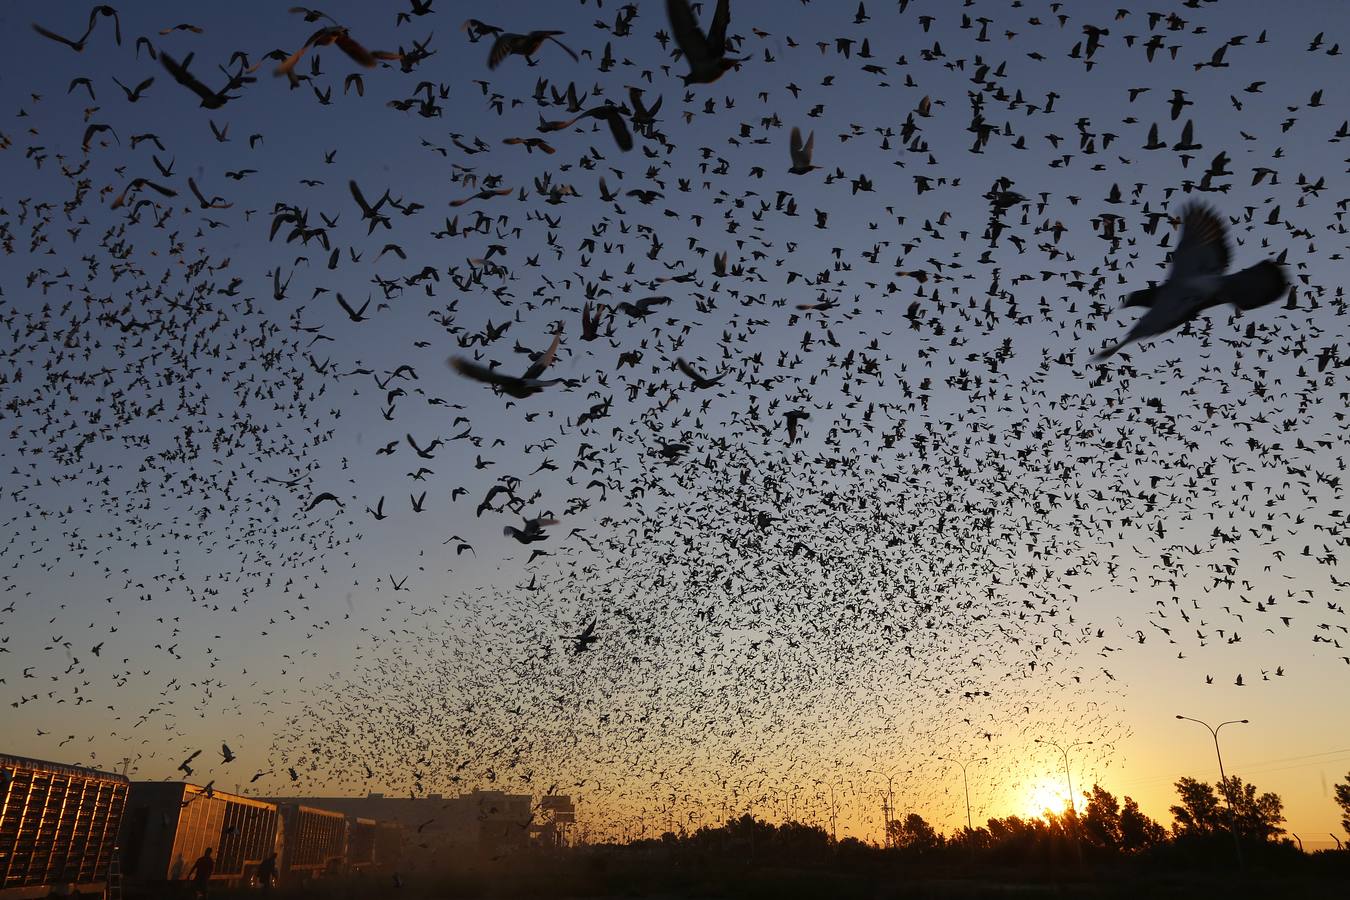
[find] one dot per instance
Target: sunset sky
(984, 539)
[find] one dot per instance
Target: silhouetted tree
(1108, 826)
(913, 833)
(1258, 815)
(1137, 831)
(1201, 812)
(1014, 840)
(1343, 801)
(1101, 819)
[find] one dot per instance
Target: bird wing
(688, 370)
(538, 367)
(1143, 297)
(617, 126)
(634, 98)
(356, 195)
(1107, 352)
(686, 31)
(1203, 248)
(502, 47)
(359, 54)
(74, 45)
(470, 369)
(717, 31)
(288, 64)
(106, 10)
(570, 52)
(180, 74)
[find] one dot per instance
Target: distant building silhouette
(481, 824)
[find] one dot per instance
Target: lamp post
(1078, 845)
(966, 783)
(1223, 779)
(1067, 776)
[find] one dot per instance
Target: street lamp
(1077, 843)
(1068, 777)
(1223, 779)
(966, 783)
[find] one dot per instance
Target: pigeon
(582, 642)
(705, 54)
(1197, 281)
(801, 152)
(524, 386)
(526, 45)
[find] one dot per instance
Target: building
(557, 816)
(481, 824)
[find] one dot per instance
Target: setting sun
(1045, 794)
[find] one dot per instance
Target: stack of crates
(170, 824)
(361, 835)
(58, 826)
(314, 842)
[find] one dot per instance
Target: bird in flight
(78, 45)
(706, 54)
(519, 387)
(1197, 281)
(801, 152)
(533, 530)
(700, 381)
(526, 45)
(582, 642)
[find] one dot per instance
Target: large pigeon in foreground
(1197, 281)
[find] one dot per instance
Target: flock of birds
(778, 502)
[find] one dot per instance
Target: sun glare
(1045, 794)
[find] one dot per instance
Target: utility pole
(888, 802)
(834, 816)
(1223, 780)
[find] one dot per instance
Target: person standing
(200, 873)
(267, 873)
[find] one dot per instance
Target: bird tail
(570, 51)
(1254, 287)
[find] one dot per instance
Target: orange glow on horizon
(1045, 794)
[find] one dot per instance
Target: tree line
(1229, 822)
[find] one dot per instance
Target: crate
(169, 825)
(58, 825)
(313, 842)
